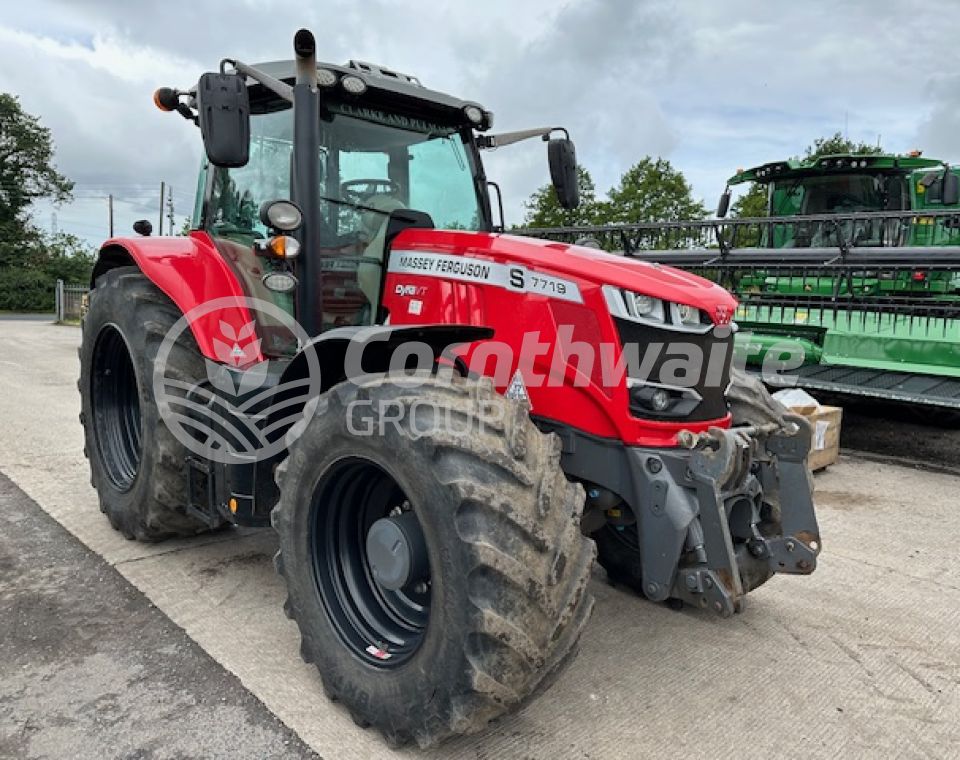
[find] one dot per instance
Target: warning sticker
(380, 654)
(517, 390)
(508, 276)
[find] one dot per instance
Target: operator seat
(374, 229)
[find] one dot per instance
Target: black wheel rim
(116, 408)
(383, 628)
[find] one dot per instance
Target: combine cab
(850, 286)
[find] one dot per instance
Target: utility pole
(110, 212)
(170, 211)
(163, 189)
(53, 223)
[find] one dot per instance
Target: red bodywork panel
(191, 271)
(595, 407)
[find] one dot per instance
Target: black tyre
(618, 552)
(492, 595)
(136, 464)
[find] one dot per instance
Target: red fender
(191, 271)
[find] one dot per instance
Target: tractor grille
(708, 379)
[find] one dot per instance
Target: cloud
(938, 132)
(711, 86)
(593, 68)
(109, 138)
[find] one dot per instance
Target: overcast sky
(712, 86)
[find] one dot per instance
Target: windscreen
(370, 163)
(846, 193)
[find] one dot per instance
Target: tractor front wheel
(432, 553)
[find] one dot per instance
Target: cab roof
(383, 84)
(836, 163)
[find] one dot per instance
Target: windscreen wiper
(341, 202)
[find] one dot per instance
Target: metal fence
(842, 232)
(882, 270)
(70, 301)
(873, 298)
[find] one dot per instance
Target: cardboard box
(825, 424)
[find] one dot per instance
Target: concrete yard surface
(91, 669)
(860, 659)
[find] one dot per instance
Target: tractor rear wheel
(136, 463)
(432, 552)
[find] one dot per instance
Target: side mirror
(223, 109)
(724, 205)
(562, 156)
(142, 227)
(951, 188)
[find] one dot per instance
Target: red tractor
(444, 424)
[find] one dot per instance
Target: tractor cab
(382, 147)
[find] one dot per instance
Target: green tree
(752, 203)
(27, 172)
(31, 262)
(67, 258)
(28, 284)
(543, 209)
(838, 144)
(652, 191)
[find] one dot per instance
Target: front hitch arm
(796, 550)
(722, 467)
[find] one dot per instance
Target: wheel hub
(370, 562)
(397, 551)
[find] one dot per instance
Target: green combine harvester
(850, 285)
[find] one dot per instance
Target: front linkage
(710, 521)
(756, 513)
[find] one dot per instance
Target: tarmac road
(862, 658)
(91, 669)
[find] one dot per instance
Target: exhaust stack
(305, 50)
(305, 180)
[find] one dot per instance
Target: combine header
(851, 286)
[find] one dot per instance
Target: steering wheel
(359, 190)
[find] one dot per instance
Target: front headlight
(647, 309)
(689, 316)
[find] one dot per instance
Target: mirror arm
(279, 88)
(509, 138)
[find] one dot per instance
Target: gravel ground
(860, 659)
